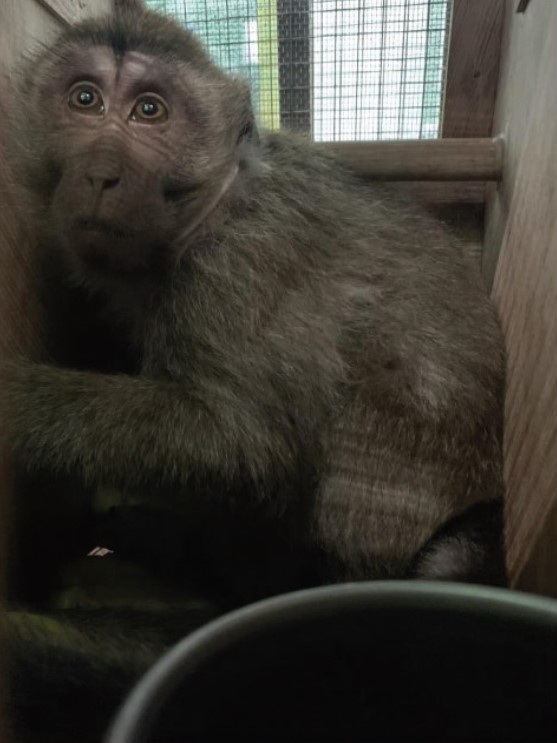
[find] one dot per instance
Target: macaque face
(133, 149)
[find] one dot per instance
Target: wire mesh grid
(336, 69)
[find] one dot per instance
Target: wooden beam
(432, 193)
(424, 159)
(473, 67)
(70, 11)
(62, 10)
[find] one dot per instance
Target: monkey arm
(124, 430)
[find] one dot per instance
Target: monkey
(291, 376)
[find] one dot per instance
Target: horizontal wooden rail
(424, 159)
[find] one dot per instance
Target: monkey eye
(86, 98)
(149, 109)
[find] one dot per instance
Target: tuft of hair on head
(129, 7)
(131, 25)
(127, 13)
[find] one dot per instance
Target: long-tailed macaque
(290, 376)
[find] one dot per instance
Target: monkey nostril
(102, 184)
(110, 183)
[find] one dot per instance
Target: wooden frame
(67, 11)
(520, 253)
(473, 68)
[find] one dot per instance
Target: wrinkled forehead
(102, 65)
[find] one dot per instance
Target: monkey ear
(249, 130)
(248, 125)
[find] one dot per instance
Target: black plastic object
(387, 661)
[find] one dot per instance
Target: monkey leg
(468, 548)
(68, 671)
(50, 526)
(112, 583)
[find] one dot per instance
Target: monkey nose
(102, 183)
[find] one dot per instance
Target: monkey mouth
(102, 227)
(105, 248)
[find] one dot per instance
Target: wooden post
(23, 25)
(473, 68)
(522, 222)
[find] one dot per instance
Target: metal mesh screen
(336, 69)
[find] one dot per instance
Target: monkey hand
(36, 412)
(129, 431)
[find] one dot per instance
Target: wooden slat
(23, 24)
(69, 11)
(445, 193)
(525, 289)
(424, 160)
(522, 81)
(473, 68)
(17, 329)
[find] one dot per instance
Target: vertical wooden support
(23, 25)
(473, 68)
(524, 211)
